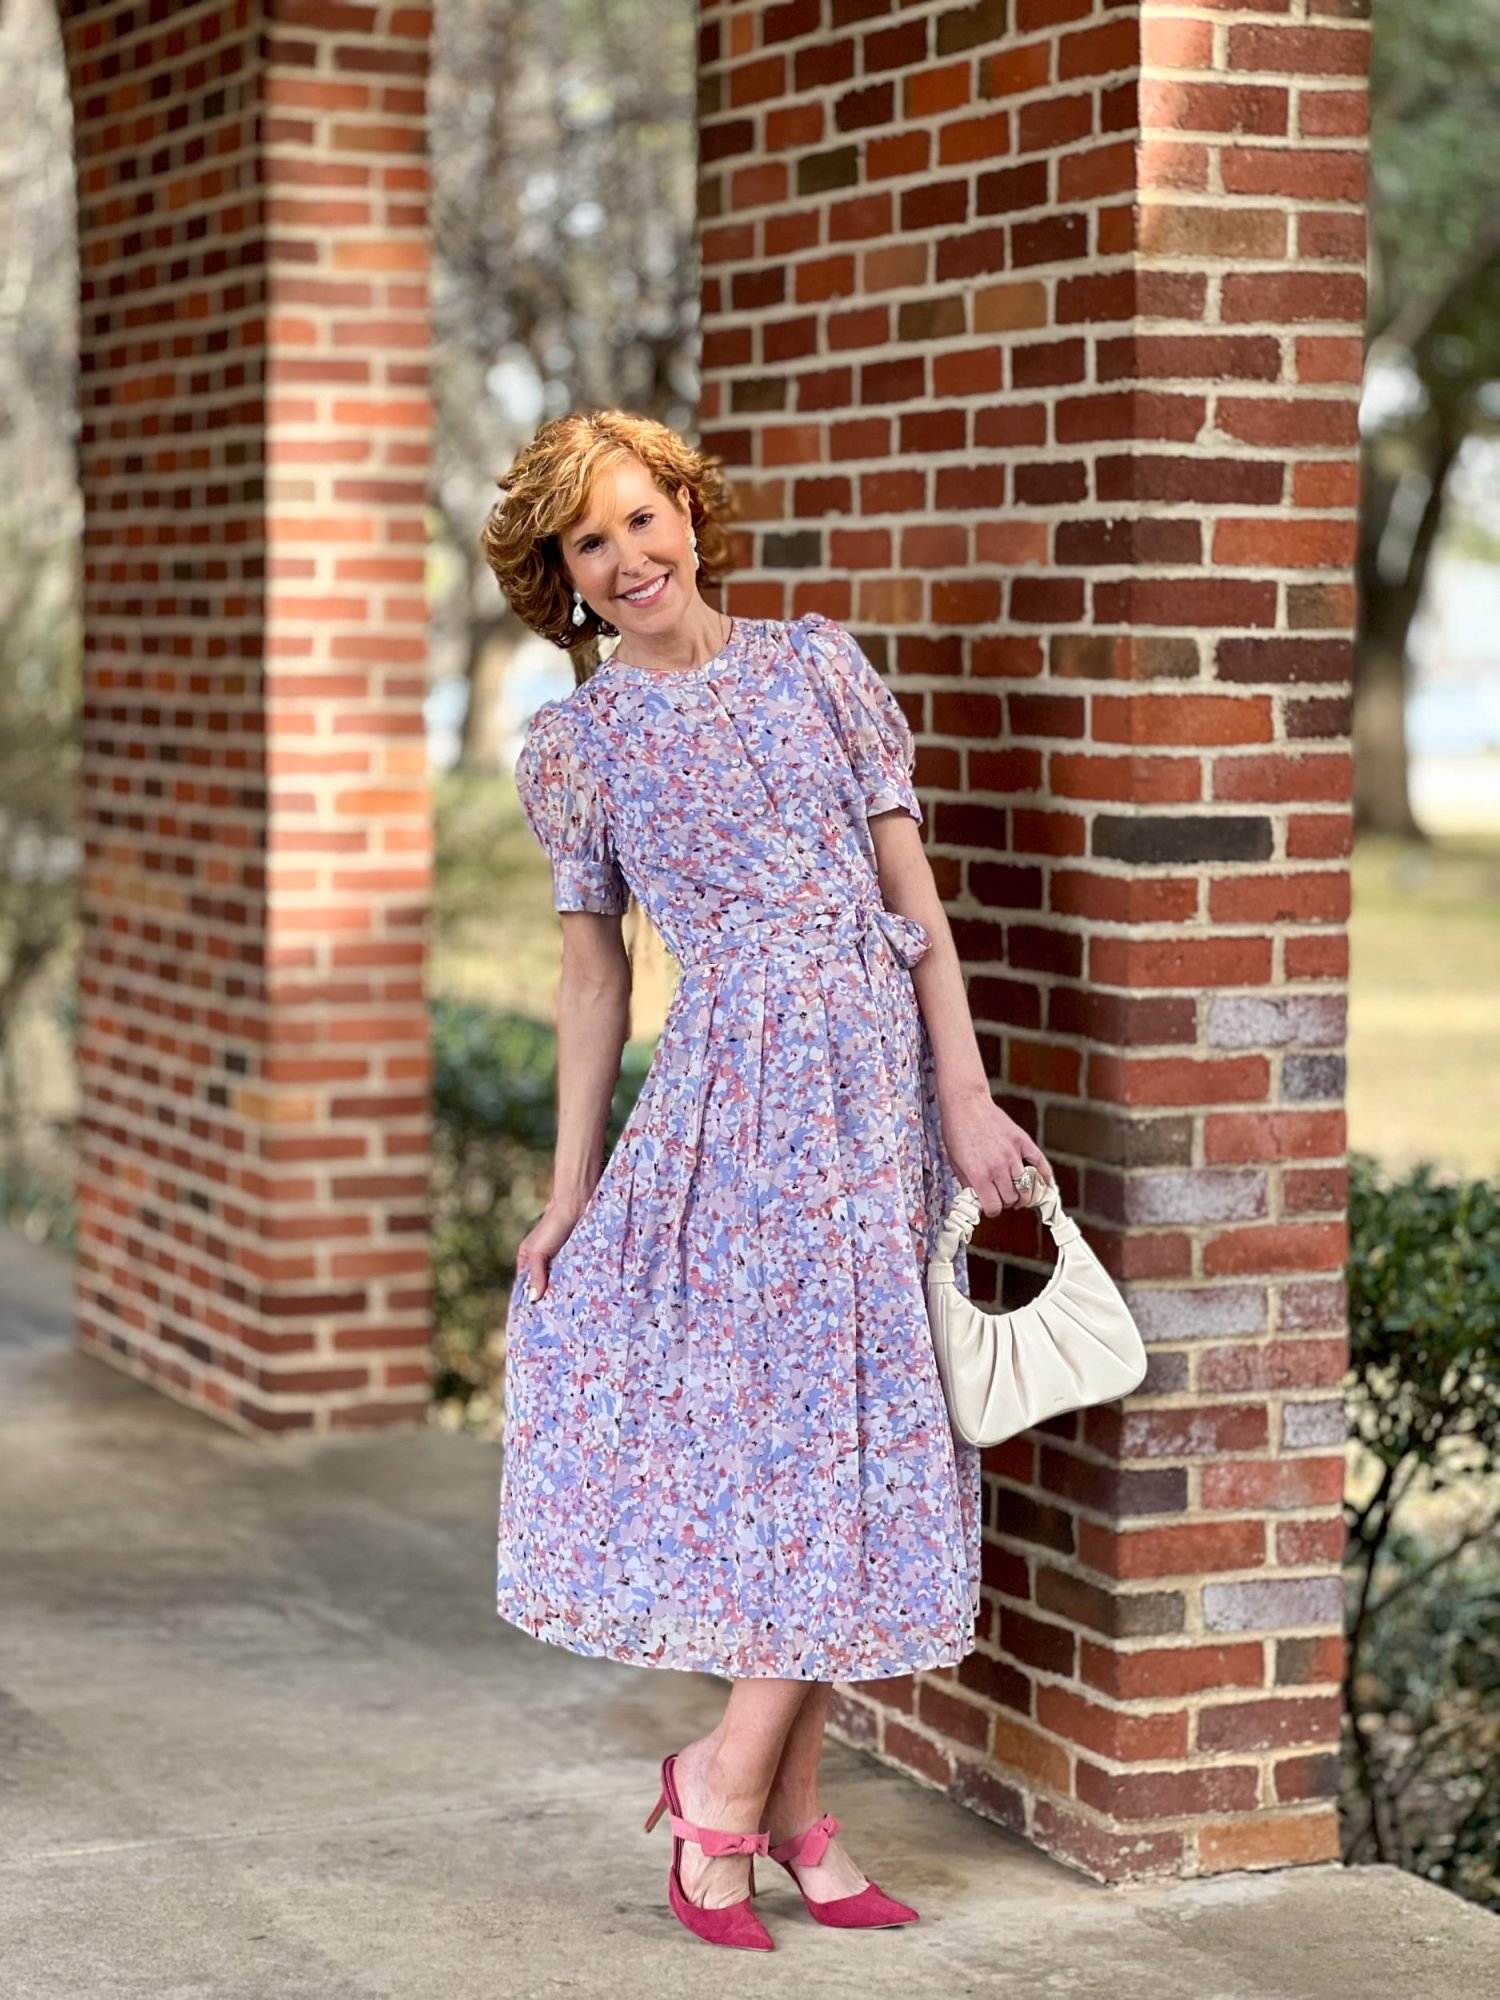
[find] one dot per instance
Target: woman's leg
(723, 1780)
(793, 1802)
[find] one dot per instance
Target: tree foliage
(1434, 339)
(565, 270)
(1423, 1655)
(40, 524)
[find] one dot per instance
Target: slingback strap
(714, 1841)
(809, 1846)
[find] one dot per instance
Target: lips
(646, 593)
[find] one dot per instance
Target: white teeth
(647, 590)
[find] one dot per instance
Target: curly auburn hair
(547, 490)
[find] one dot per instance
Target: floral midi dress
(726, 1445)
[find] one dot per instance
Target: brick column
(1032, 335)
(253, 1045)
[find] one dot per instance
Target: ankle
(786, 1816)
(714, 1776)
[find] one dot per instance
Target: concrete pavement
(262, 1737)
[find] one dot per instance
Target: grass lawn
(1424, 1003)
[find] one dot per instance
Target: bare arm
(984, 1144)
(593, 1022)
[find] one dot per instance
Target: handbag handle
(1072, 1346)
(964, 1214)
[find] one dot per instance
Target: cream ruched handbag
(1072, 1345)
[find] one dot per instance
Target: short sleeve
(874, 730)
(565, 810)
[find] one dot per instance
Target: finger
(991, 1192)
(1005, 1183)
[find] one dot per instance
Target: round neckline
(737, 628)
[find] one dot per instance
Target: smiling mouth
(647, 592)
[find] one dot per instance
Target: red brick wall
(253, 1046)
(1032, 336)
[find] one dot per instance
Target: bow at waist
(819, 934)
(906, 937)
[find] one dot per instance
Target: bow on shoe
(807, 1848)
(713, 1841)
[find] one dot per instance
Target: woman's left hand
(987, 1149)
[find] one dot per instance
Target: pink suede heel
(735, 1923)
(868, 1909)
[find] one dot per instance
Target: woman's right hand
(541, 1244)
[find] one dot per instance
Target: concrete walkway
(262, 1737)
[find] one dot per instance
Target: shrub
(494, 1131)
(1423, 1656)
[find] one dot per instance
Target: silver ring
(1025, 1180)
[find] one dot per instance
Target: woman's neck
(699, 637)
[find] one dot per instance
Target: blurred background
(565, 275)
(573, 280)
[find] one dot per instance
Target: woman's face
(631, 553)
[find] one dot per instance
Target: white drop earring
(579, 614)
(693, 539)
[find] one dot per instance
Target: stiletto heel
(734, 1923)
(867, 1909)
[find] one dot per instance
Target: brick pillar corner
(1033, 337)
(253, 1043)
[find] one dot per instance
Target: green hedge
(1422, 1688)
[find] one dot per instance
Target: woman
(726, 1443)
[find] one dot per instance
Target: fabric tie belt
(819, 934)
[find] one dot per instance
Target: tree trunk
(1382, 795)
(491, 647)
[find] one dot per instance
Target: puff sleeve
(565, 810)
(869, 719)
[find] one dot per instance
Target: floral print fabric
(726, 1446)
